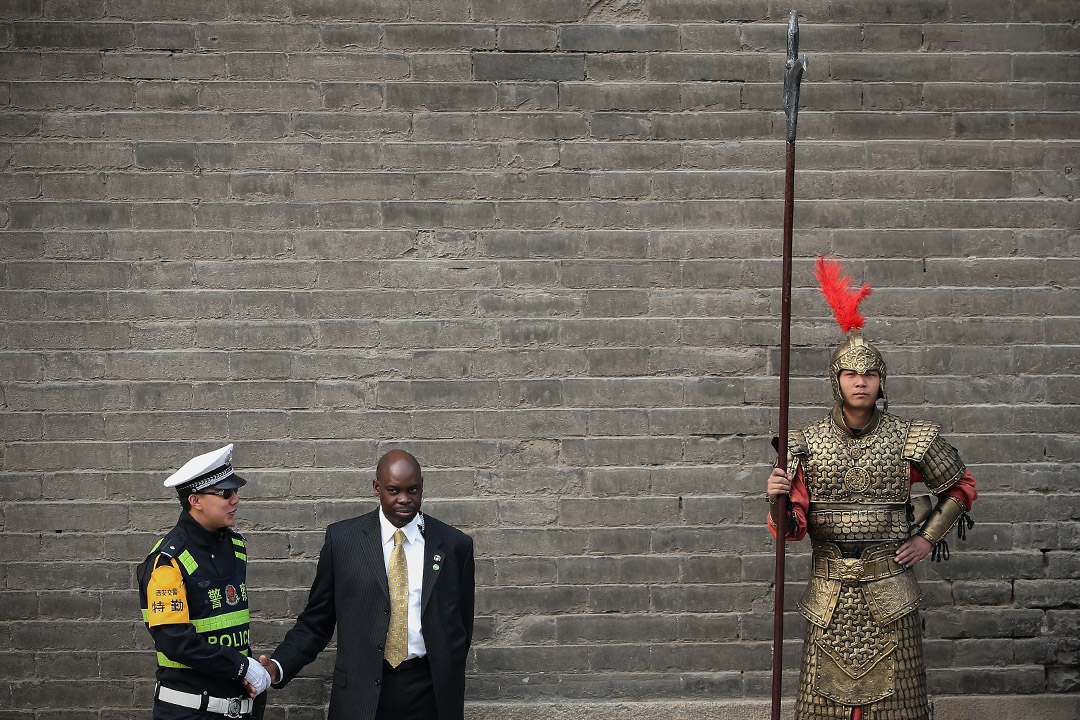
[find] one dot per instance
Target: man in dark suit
(399, 587)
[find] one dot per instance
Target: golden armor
(863, 642)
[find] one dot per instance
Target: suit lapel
(370, 550)
(434, 559)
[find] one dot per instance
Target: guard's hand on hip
(914, 549)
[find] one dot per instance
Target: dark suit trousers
(407, 692)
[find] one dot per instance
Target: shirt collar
(411, 530)
(200, 536)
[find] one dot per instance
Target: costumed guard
(849, 479)
(193, 590)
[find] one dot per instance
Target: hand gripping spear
(793, 71)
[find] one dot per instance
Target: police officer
(193, 591)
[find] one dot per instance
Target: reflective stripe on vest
(166, 662)
(188, 562)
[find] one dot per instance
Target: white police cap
(212, 469)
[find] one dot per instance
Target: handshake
(260, 675)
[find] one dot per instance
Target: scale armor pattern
(859, 640)
(841, 469)
(909, 702)
(850, 525)
(941, 466)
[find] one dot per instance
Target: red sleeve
(963, 490)
(799, 503)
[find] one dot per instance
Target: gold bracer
(942, 520)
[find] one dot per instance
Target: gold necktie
(397, 637)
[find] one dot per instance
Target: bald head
(392, 458)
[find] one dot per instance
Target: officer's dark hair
(185, 502)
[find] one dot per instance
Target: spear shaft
(793, 71)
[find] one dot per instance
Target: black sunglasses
(227, 494)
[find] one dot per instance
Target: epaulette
(797, 444)
(920, 435)
(169, 547)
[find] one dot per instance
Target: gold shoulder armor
(938, 461)
(921, 433)
(797, 449)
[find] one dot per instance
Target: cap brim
(230, 483)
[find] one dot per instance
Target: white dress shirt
(414, 558)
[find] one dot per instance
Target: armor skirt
(852, 639)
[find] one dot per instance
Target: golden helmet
(858, 355)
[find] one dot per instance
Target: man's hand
(271, 667)
(256, 678)
(249, 689)
(779, 484)
(914, 549)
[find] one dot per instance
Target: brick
(619, 96)
(98, 35)
(259, 66)
(368, 126)
(64, 95)
(165, 36)
(440, 67)
(525, 96)
(619, 38)
(440, 96)
(1045, 593)
(526, 37)
(594, 571)
(337, 10)
(350, 35)
(93, 154)
(521, 11)
(430, 36)
(618, 511)
(248, 37)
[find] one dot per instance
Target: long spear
(793, 71)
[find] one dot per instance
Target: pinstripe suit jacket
(350, 591)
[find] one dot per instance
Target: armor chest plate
(839, 468)
(858, 487)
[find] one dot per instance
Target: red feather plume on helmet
(839, 293)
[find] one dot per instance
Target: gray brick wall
(536, 242)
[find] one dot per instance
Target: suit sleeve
(468, 593)
(315, 625)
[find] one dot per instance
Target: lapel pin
(438, 558)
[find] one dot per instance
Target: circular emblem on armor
(231, 596)
(855, 452)
(857, 479)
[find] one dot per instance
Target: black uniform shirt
(216, 669)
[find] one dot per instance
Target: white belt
(229, 707)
